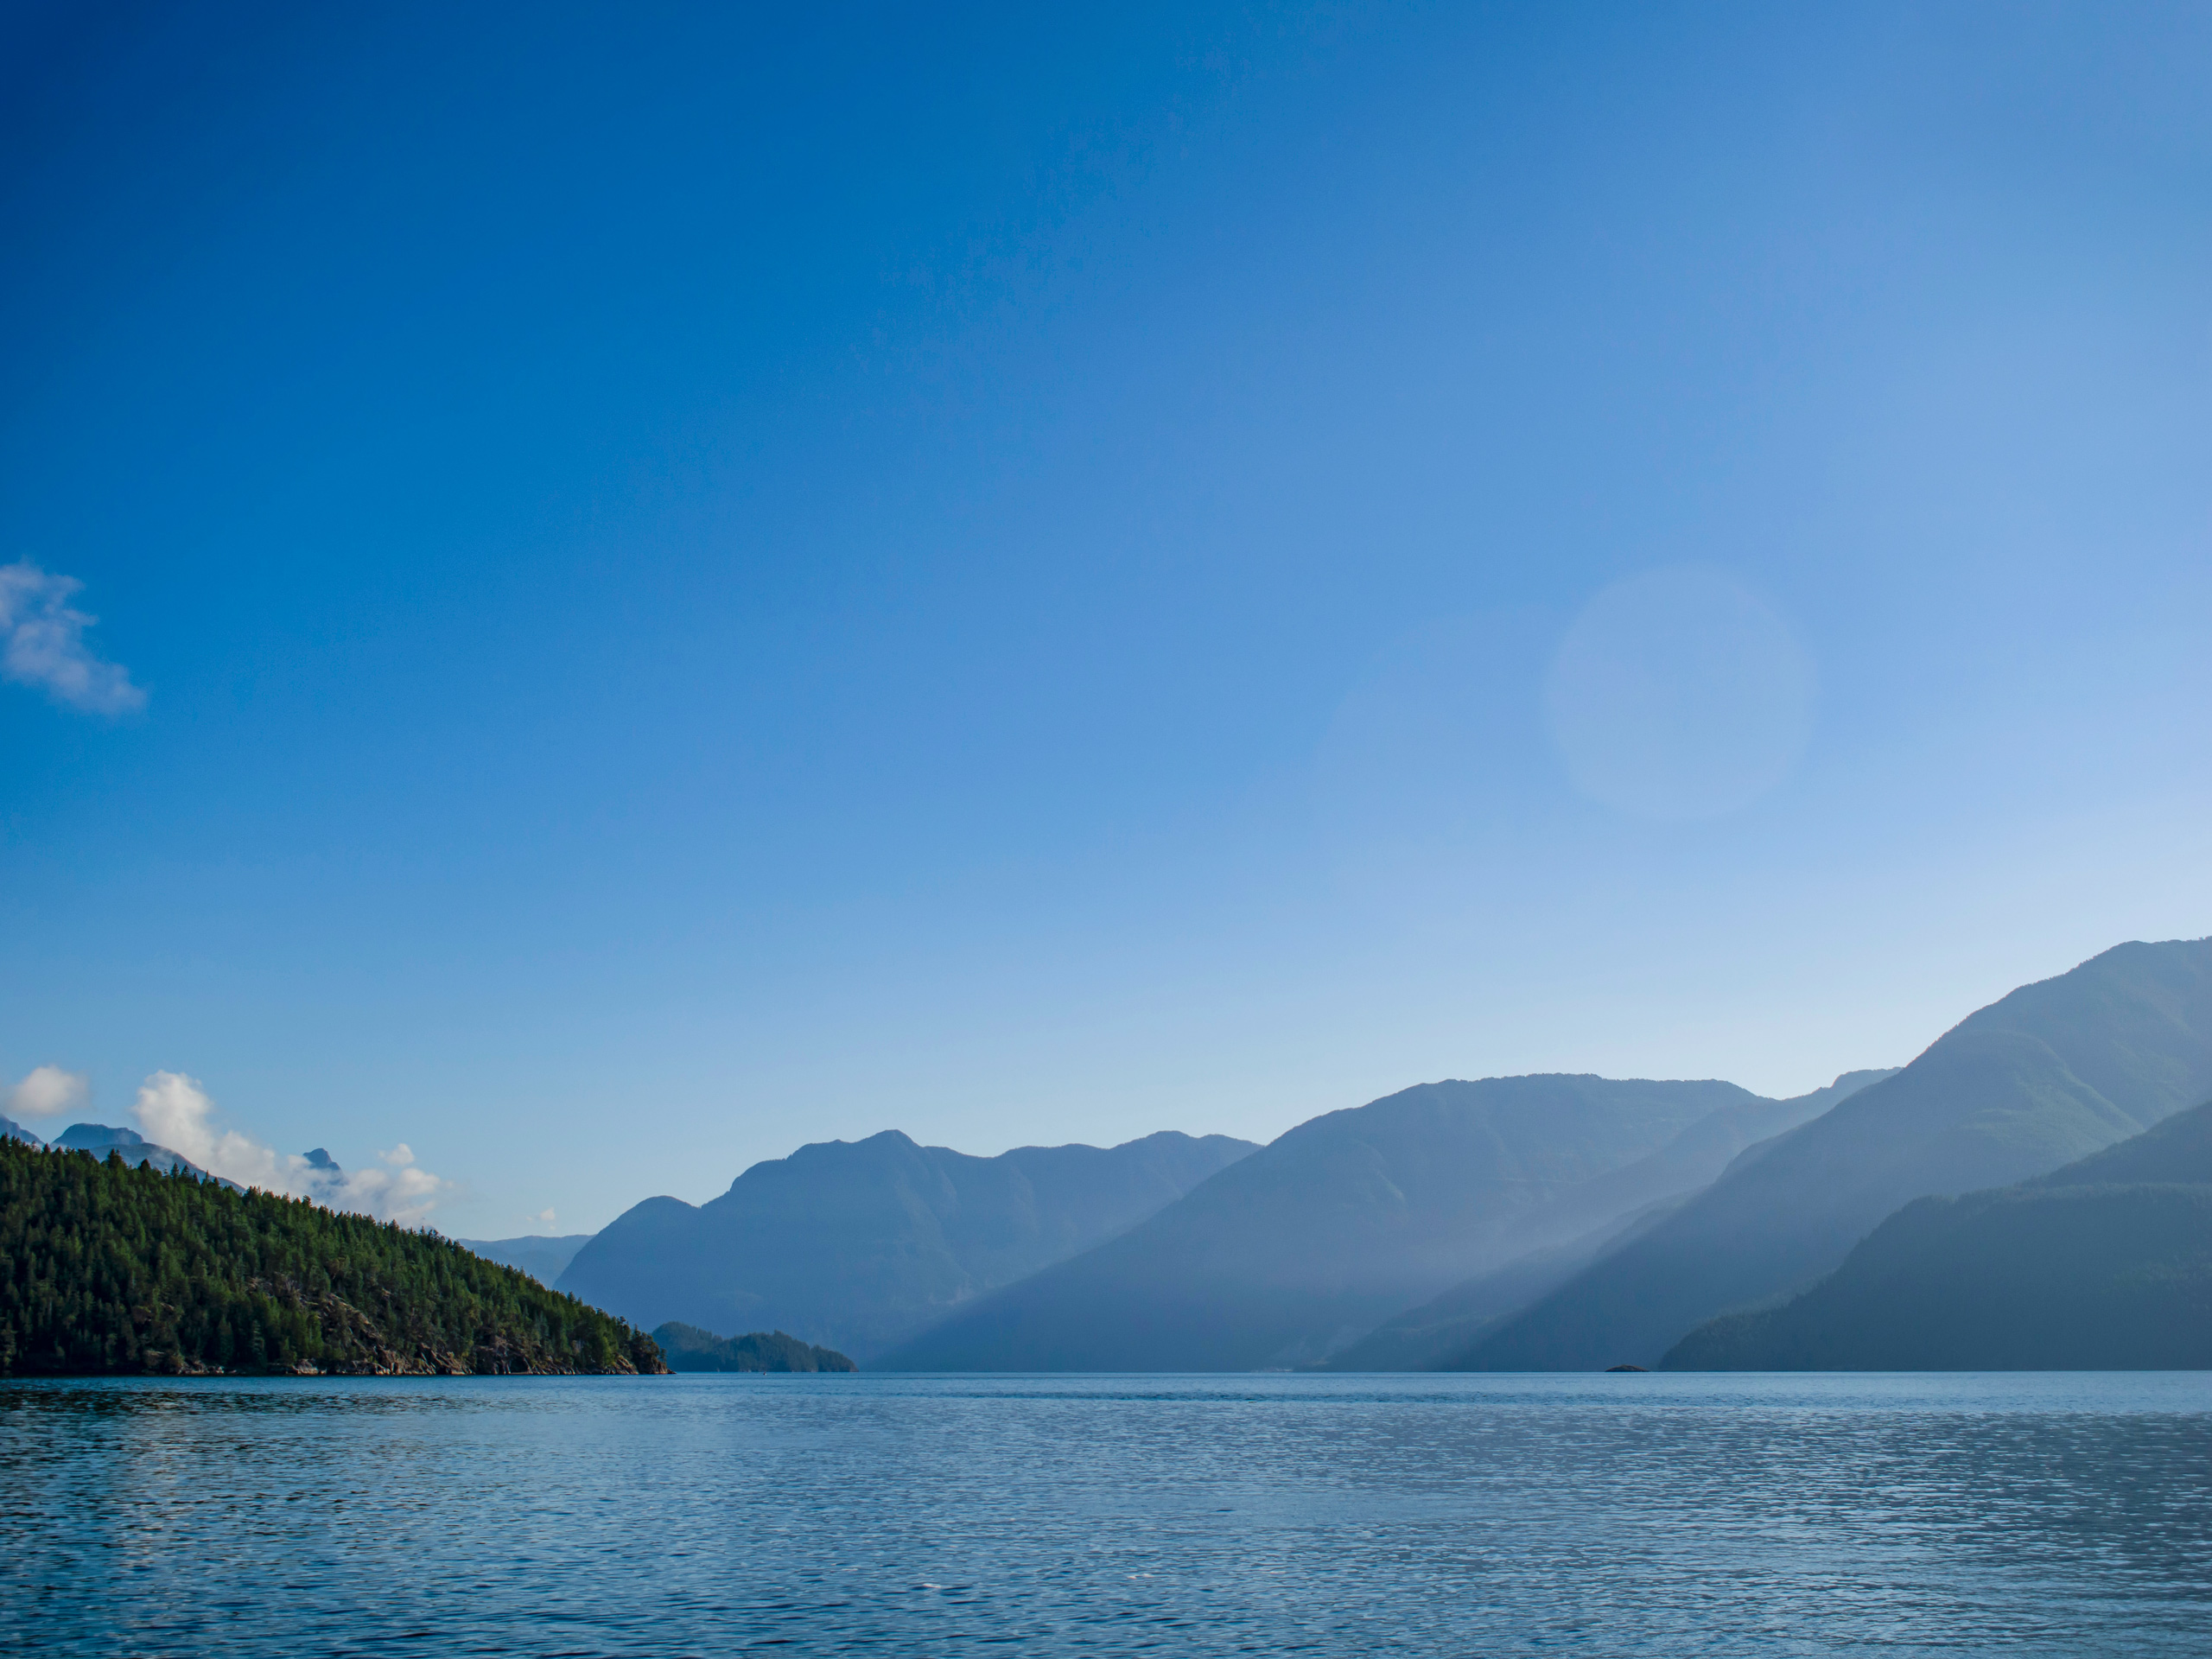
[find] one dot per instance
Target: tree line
(112, 1268)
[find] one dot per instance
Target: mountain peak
(90, 1137)
(857, 1244)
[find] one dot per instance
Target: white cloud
(42, 644)
(545, 1216)
(405, 1196)
(47, 1091)
(175, 1111)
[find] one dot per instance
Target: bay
(2051, 1514)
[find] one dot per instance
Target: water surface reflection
(2052, 1514)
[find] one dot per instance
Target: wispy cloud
(42, 644)
(175, 1111)
(47, 1091)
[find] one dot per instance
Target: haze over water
(2042, 1514)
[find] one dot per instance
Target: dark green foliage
(2076, 1271)
(111, 1269)
(689, 1349)
(100, 1139)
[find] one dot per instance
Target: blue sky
(696, 578)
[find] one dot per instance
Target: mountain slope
(2053, 1071)
(1337, 1224)
(2104, 1265)
(1417, 1338)
(1634, 1197)
(2179, 1150)
(112, 1270)
(857, 1245)
(100, 1139)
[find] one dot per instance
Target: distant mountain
(1612, 1207)
(1421, 1338)
(687, 1348)
(857, 1245)
(99, 1139)
(2104, 1265)
(113, 1269)
(2051, 1072)
(544, 1258)
(11, 1130)
(1337, 1225)
(2177, 1151)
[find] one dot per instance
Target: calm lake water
(1601, 1515)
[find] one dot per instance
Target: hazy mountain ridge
(1337, 1224)
(543, 1257)
(2053, 1071)
(2103, 1265)
(855, 1245)
(1605, 1209)
(1419, 1337)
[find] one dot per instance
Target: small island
(687, 1348)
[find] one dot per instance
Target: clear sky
(676, 580)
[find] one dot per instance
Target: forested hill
(111, 1269)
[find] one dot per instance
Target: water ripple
(1772, 1516)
